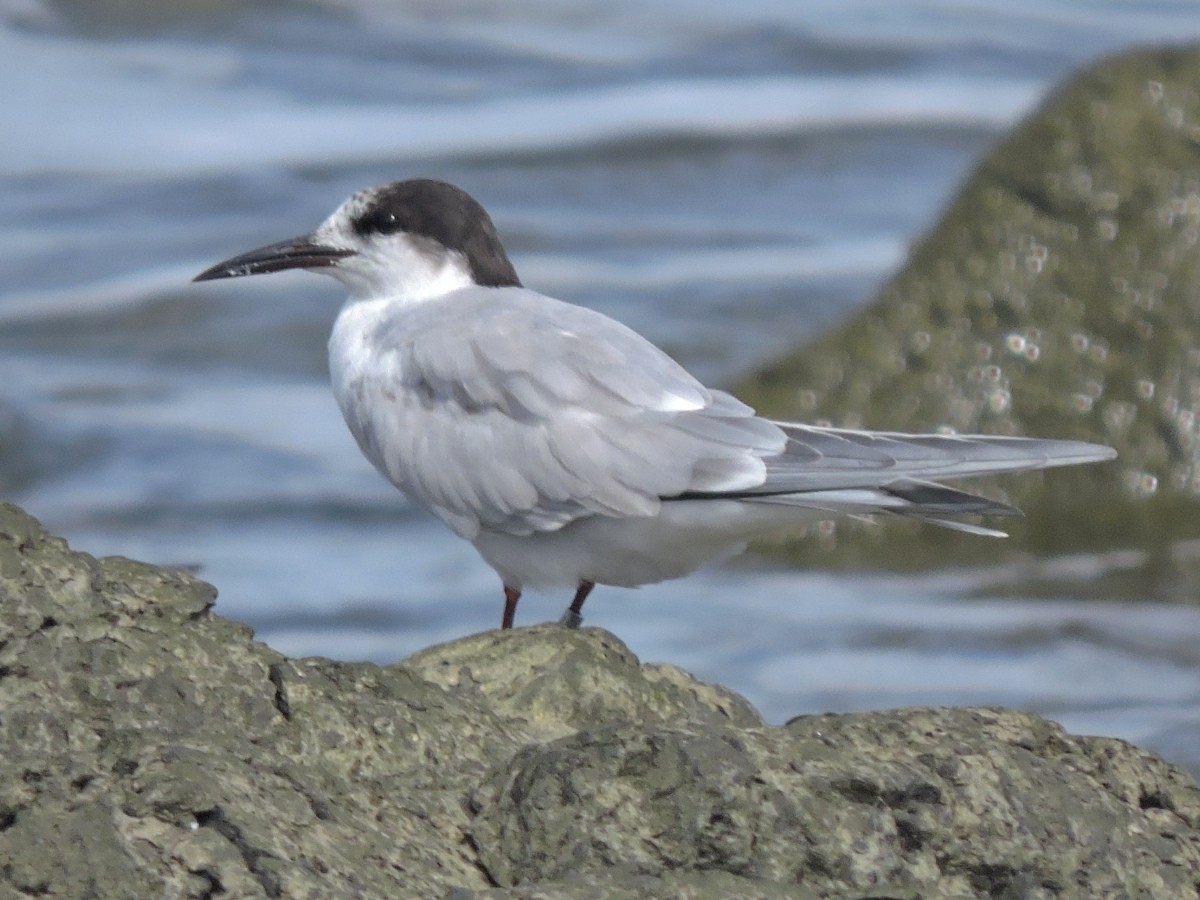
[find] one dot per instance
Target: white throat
(398, 268)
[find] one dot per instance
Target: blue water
(729, 179)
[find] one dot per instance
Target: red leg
(511, 596)
(574, 614)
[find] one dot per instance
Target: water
(729, 179)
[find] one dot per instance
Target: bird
(567, 448)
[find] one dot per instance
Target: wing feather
(505, 409)
(829, 458)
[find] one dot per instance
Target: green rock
(1059, 296)
(149, 748)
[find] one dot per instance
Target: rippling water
(727, 178)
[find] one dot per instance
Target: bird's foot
(571, 619)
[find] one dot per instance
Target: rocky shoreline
(154, 749)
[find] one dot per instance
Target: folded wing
(509, 410)
(505, 409)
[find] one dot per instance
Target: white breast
(355, 368)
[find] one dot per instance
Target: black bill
(297, 253)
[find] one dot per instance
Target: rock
(153, 749)
(910, 803)
(1058, 296)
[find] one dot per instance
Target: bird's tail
(822, 458)
(863, 472)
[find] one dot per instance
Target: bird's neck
(402, 278)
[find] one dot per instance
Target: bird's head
(409, 239)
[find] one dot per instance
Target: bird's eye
(379, 221)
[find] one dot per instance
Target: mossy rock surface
(1059, 296)
(149, 748)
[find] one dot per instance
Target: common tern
(568, 449)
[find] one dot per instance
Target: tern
(567, 448)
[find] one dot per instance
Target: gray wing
(828, 458)
(507, 409)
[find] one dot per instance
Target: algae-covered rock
(149, 748)
(911, 803)
(1059, 296)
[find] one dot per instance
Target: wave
(96, 112)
